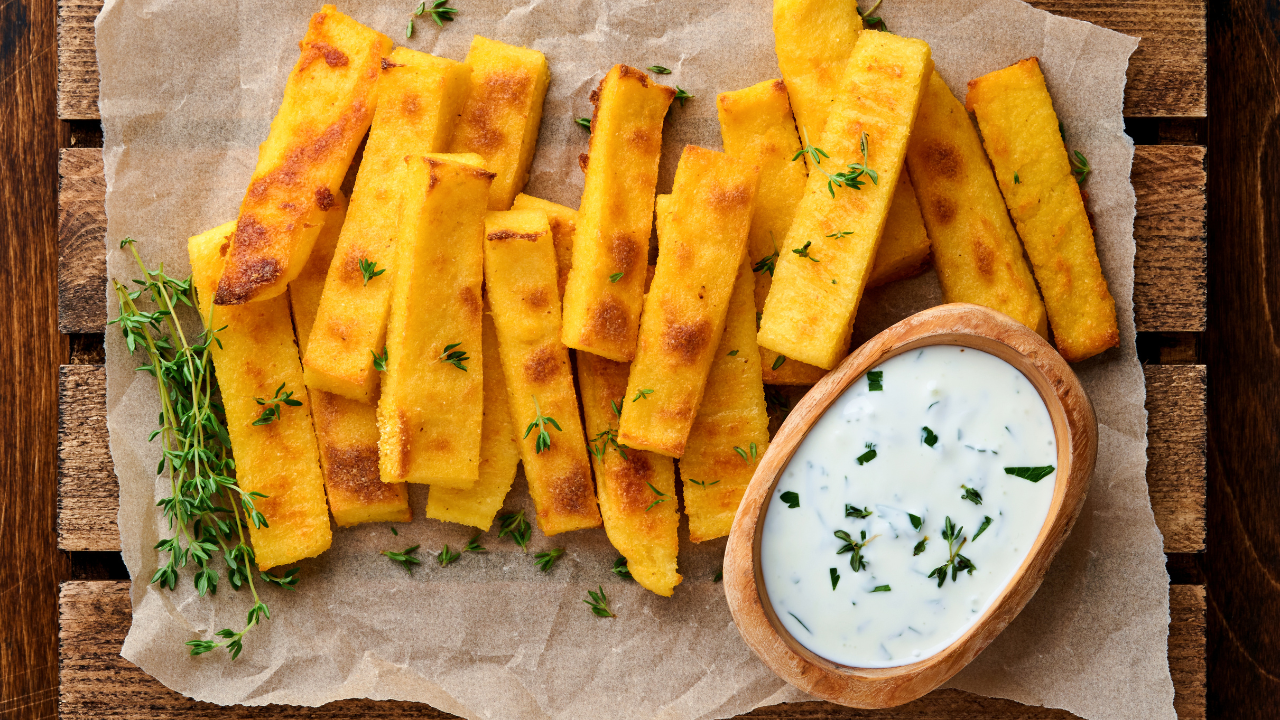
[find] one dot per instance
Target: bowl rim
(1075, 433)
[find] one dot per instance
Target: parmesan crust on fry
(641, 523)
(976, 251)
(418, 97)
(346, 430)
(605, 290)
(328, 104)
(1021, 134)
(731, 432)
(520, 276)
(702, 237)
(255, 357)
(430, 412)
(502, 113)
(834, 237)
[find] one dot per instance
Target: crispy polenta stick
(976, 251)
(328, 104)
(834, 237)
(731, 431)
(255, 357)
(499, 452)
(1021, 134)
(346, 430)
(702, 237)
(520, 276)
(757, 127)
(432, 391)
(419, 96)
(637, 489)
(610, 247)
(500, 119)
(564, 221)
(813, 39)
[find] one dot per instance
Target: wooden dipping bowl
(1076, 433)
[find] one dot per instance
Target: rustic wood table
(64, 604)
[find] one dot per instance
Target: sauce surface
(941, 460)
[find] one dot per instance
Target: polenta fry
(564, 221)
(976, 251)
(1021, 134)
(328, 104)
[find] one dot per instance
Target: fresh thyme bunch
(207, 511)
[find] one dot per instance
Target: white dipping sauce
(986, 417)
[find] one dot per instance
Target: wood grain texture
(88, 492)
(1176, 433)
(82, 229)
(1242, 563)
(1075, 430)
(77, 60)
(96, 683)
(1169, 268)
(1167, 73)
(89, 521)
(30, 565)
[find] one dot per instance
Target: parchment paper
(188, 91)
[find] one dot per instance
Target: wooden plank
(1169, 268)
(95, 682)
(1168, 72)
(77, 60)
(87, 520)
(1170, 263)
(1176, 432)
(88, 489)
(82, 229)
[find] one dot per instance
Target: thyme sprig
(851, 178)
(605, 439)
(599, 603)
(447, 557)
(661, 496)
(207, 511)
(405, 557)
(547, 560)
(454, 357)
(956, 562)
(856, 561)
(517, 527)
(543, 441)
(620, 569)
(272, 410)
(369, 269)
(1079, 166)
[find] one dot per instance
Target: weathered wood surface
(1176, 433)
(1169, 269)
(77, 60)
(1242, 563)
(88, 489)
(1167, 73)
(82, 255)
(97, 683)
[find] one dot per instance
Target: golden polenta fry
(637, 489)
(605, 291)
(564, 221)
(1021, 134)
(499, 453)
(432, 391)
(520, 276)
(256, 364)
(502, 114)
(813, 39)
(976, 251)
(328, 104)
(418, 98)
(702, 238)
(757, 127)
(731, 431)
(834, 237)
(346, 430)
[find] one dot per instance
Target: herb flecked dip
(908, 507)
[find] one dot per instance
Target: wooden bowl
(1076, 433)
